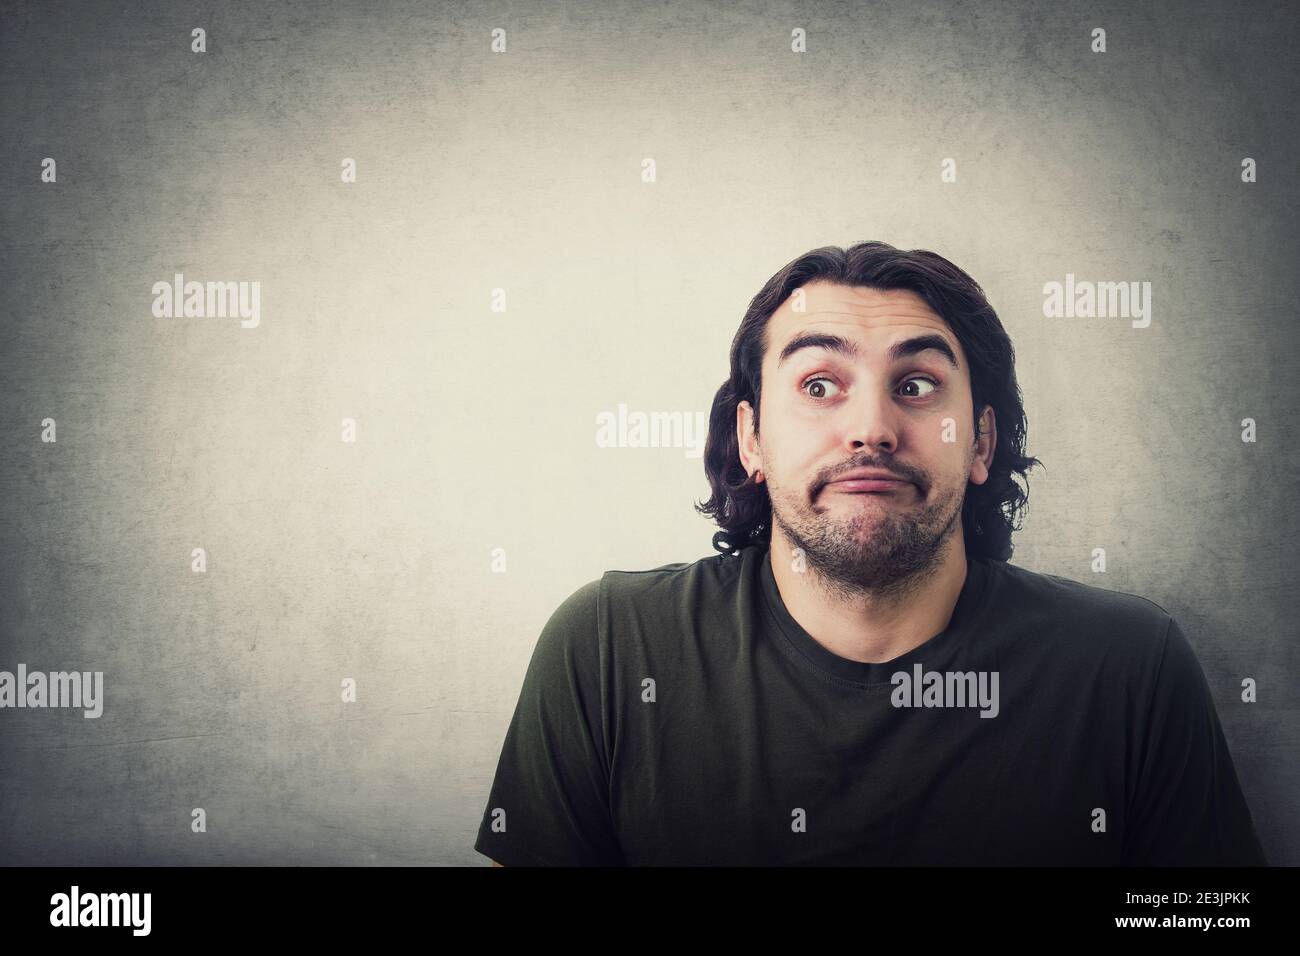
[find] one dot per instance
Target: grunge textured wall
(386, 475)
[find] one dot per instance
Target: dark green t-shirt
(681, 716)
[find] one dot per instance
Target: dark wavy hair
(991, 511)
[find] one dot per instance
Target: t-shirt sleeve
(549, 803)
(1188, 808)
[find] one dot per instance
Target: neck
(871, 627)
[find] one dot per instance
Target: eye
(934, 386)
(813, 381)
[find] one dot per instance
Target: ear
(750, 456)
(985, 445)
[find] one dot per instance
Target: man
(860, 677)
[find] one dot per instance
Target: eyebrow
(849, 349)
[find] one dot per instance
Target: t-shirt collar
(969, 604)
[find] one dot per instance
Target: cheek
(797, 450)
(944, 461)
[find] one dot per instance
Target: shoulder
(578, 610)
(650, 585)
(572, 632)
(1102, 619)
(625, 607)
(1068, 593)
(591, 610)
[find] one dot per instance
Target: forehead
(853, 311)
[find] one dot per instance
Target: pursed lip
(866, 481)
(869, 474)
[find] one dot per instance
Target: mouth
(867, 485)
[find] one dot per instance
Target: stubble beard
(885, 548)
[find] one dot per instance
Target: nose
(869, 420)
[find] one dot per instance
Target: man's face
(825, 413)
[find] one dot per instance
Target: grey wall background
(475, 429)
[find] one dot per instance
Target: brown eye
(934, 386)
(813, 389)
